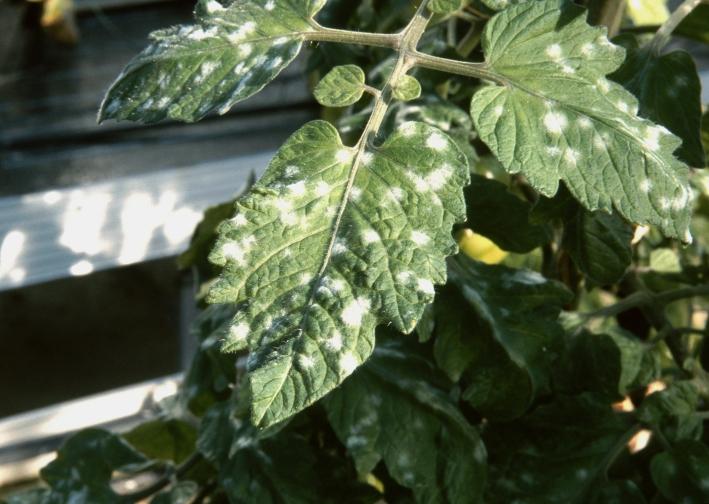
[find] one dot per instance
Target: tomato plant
(348, 351)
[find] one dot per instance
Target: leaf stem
(325, 34)
(645, 298)
(465, 68)
(662, 37)
(164, 480)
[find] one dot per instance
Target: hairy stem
(324, 34)
(465, 68)
(164, 480)
(662, 37)
(644, 298)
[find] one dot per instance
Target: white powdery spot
(408, 129)
(555, 122)
(554, 51)
(233, 251)
(297, 189)
(645, 185)
(367, 158)
(348, 363)
(322, 188)
(305, 278)
(568, 70)
(238, 69)
(334, 342)
(355, 193)
(587, 49)
(598, 142)
(275, 62)
(238, 332)
(280, 41)
(282, 205)
(339, 247)
(354, 312)
(248, 242)
(207, 68)
(164, 101)
(438, 178)
(292, 170)
(270, 5)
(622, 106)
(553, 151)
(651, 138)
(305, 361)
(498, 110)
(584, 123)
(572, 156)
(214, 6)
(395, 193)
(436, 141)
(336, 285)
(419, 183)
(425, 286)
(344, 155)
(420, 238)
(404, 276)
(370, 236)
(603, 85)
(245, 50)
(665, 203)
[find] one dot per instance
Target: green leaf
(557, 454)
(265, 467)
(315, 264)
(599, 245)
(673, 412)
(696, 25)
(668, 89)
(231, 53)
(498, 214)
(443, 6)
(211, 372)
(394, 409)
(648, 12)
(342, 86)
(407, 88)
(665, 260)
(520, 309)
(32, 496)
(163, 439)
(82, 471)
(682, 473)
(617, 492)
(556, 117)
(182, 493)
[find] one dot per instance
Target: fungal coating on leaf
(558, 118)
(331, 278)
(230, 54)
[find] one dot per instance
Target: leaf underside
(558, 118)
(315, 265)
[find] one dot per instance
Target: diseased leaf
(558, 118)
(407, 88)
(599, 245)
(557, 454)
(520, 309)
(231, 53)
(329, 244)
(498, 214)
(668, 90)
(673, 412)
(163, 439)
(455, 347)
(443, 6)
(682, 473)
(211, 371)
(182, 493)
(253, 467)
(341, 86)
(395, 409)
(82, 471)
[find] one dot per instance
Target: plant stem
(662, 37)
(644, 298)
(466, 68)
(164, 480)
(324, 34)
